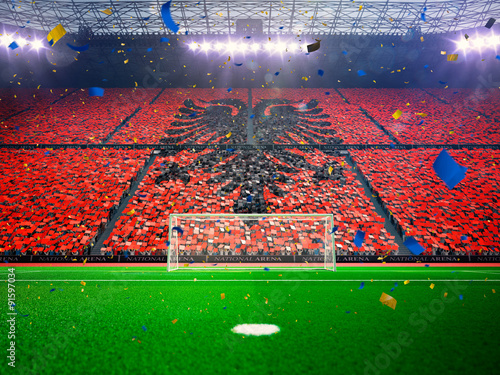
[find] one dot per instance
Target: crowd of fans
(460, 221)
(294, 116)
(192, 116)
(211, 181)
(56, 202)
(75, 118)
(426, 119)
(59, 201)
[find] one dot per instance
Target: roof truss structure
(339, 17)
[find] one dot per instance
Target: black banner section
(240, 147)
(223, 259)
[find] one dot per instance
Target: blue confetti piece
(240, 64)
(96, 91)
(421, 122)
(422, 16)
(229, 89)
(320, 72)
(193, 114)
(144, 328)
(104, 80)
(107, 164)
(129, 49)
(443, 83)
(327, 93)
(147, 18)
(426, 66)
(344, 52)
(77, 48)
(17, 128)
(461, 297)
(334, 229)
(281, 27)
(252, 116)
(13, 45)
(162, 165)
(113, 50)
(266, 269)
(453, 271)
(168, 243)
(167, 17)
(277, 73)
(498, 57)
(214, 264)
(202, 17)
(52, 290)
(164, 40)
(427, 265)
(179, 230)
(392, 289)
(396, 284)
(224, 307)
(347, 312)
(149, 50)
(191, 262)
(230, 150)
(47, 152)
(362, 285)
(249, 199)
(463, 238)
(361, 73)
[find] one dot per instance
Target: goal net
(304, 240)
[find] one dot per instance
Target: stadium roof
(369, 17)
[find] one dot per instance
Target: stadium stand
(423, 206)
(192, 116)
(13, 101)
(289, 181)
(59, 201)
(311, 116)
(425, 119)
(76, 118)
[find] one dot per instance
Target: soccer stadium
(250, 187)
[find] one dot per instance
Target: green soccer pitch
(138, 320)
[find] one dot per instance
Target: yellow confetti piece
(228, 135)
(131, 212)
(174, 321)
(452, 57)
(83, 283)
(126, 61)
(330, 170)
(407, 282)
(421, 38)
(445, 294)
(397, 114)
(493, 290)
(431, 286)
(108, 11)
(443, 52)
(55, 34)
(222, 295)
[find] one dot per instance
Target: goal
(301, 240)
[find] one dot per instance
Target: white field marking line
(287, 281)
(488, 273)
(238, 270)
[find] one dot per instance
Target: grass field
(143, 320)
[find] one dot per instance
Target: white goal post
(290, 239)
